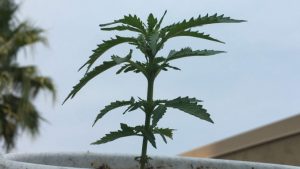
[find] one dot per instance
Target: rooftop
(268, 133)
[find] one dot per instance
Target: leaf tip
(93, 143)
(66, 99)
(82, 67)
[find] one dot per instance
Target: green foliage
(188, 105)
(164, 132)
(139, 104)
(96, 71)
(124, 132)
(19, 85)
(129, 21)
(151, 22)
(188, 52)
(173, 29)
(149, 135)
(195, 34)
(103, 47)
(113, 106)
(150, 38)
(158, 114)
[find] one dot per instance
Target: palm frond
(23, 35)
(17, 114)
(7, 11)
(25, 79)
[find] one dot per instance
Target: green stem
(148, 111)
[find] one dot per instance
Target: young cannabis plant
(150, 39)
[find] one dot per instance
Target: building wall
(281, 151)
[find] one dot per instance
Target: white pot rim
(88, 160)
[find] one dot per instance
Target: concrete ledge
(104, 161)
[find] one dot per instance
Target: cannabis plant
(150, 39)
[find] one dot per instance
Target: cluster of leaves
(150, 39)
(186, 104)
(19, 85)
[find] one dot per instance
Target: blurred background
(255, 83)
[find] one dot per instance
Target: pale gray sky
(255, 83)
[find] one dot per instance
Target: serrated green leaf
(150, 137)
(195, 34)
(122, 68)
(173, 67)
(103, 47)
(119, 60)
(142, 44)
(121, 28)
(132, 21)
(129, 68)
(125, 127)
(164, 138)
(195, 22)
(167, 65)
(190, 106)
(124, 132)
(139, 129)
(158, 114)
(139, 104)
(157, 27)
(164, 132)
(151, 21)
(128, 108)
(96, 71)
(158, 60)
(138, 66)
(112, 106)
(89, 76)
(153, 39)
(188, 52)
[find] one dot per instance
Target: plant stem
(148, 111)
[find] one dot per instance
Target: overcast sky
(255, 83)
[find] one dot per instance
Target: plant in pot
(150, 39)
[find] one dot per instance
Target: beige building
(275, 143)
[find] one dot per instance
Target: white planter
(99, 161)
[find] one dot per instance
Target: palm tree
(19, 85)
